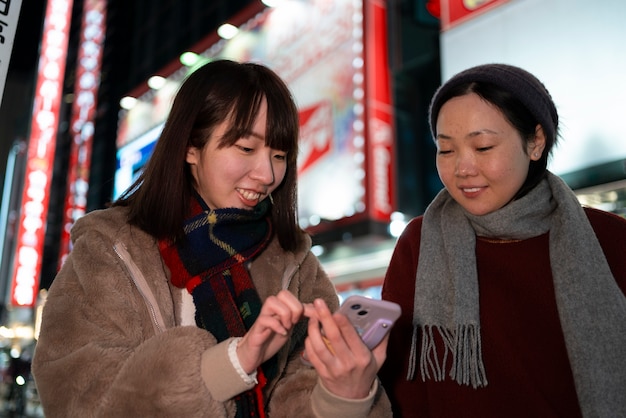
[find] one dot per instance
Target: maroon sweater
(522, 341)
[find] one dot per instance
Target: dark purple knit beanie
(520, 83)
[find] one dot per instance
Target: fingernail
(327, 342)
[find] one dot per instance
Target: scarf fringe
(463, 343)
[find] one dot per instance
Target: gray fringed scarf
(591, 307)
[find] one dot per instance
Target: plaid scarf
(210, 264)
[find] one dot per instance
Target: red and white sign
(381, 199)
(44, 129)
(83, 117)
(454, 12)
(316, 134)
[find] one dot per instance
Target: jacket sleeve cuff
(219, 374)
(325, 404)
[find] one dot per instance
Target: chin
(478, 211)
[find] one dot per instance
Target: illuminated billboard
(577, 54)
(41, 147)
(82, 126)
(333, 56)
(455, 12)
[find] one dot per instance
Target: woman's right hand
(270, 331)
(346, 367)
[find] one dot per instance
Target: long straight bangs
(282, 115)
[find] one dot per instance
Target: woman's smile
(249, 196)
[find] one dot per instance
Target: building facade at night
(362, 73)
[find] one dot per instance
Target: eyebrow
(472, 134)
(252, 134)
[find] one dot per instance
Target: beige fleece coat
(112, 343)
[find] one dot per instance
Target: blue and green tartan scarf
(210, 263)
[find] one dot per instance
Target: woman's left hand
(345, 365)
(270, 331)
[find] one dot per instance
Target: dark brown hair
(218, 91)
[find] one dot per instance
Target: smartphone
(372, 318)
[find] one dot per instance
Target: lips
(250, 195)
(471, 192)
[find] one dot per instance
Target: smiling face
(241, 175)
(481, 158)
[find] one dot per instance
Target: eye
(247, 150)
(483, 149)
(280, 157)
(444, 147)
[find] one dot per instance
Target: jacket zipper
(288, 275)
(141, 285)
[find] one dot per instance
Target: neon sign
(44, 128)
(83, 117)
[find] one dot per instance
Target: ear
(537, 145)
(193, 155)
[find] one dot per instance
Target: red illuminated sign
(44, 128)
(379, 115)
(454, 12)
(316, 134)
(83, 117)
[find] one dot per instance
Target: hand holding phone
(372, 318)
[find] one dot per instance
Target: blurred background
(86, 86)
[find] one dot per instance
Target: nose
(263, 170)
(465, 165)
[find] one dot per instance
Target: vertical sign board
(9, 15)
(41, 145)
(379, 114)
(89, 62)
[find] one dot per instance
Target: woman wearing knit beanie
(512, 294)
